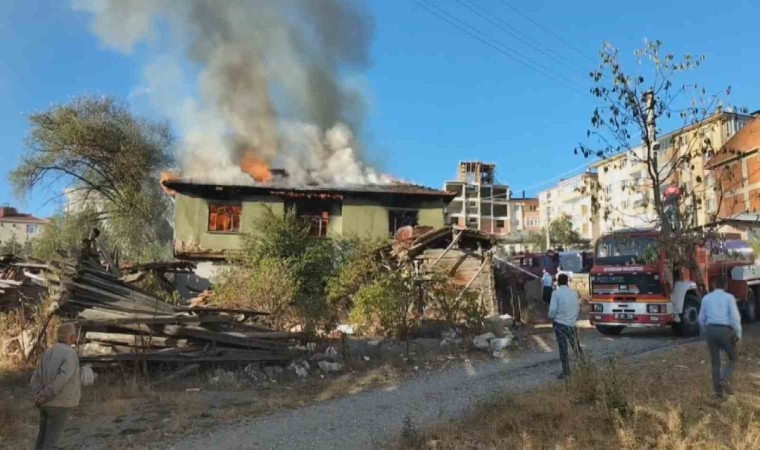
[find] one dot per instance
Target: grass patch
(661, 402)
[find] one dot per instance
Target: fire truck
(632, 283)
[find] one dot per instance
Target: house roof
(396, 188)
(743, 142)
(23, 218)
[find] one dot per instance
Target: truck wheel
(689, 324)
(750, 307)
(609, 331)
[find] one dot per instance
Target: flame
(168, 176)
(256, 167)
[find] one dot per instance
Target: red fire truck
(632, 284)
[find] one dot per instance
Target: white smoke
(267, 78)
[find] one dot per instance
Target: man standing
(721, 327)
(563, 311)
(56, 387)
(546, 281)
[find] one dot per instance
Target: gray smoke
(267, 77)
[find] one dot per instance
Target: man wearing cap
(721, 327)
(56, 387)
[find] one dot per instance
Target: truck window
(625, 249)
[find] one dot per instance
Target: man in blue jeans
(563, 311)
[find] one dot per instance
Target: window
(31, 230)
(317, 223)
(224, 218)
(500, 224)
(398, 218)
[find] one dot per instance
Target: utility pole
(548, 238)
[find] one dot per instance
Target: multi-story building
(736, 168)
(625, 187)
(524, 214)
(18, 226)
(572, 198)
(480, 202)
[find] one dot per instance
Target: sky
(436, 94)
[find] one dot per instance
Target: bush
(386, 304)
(456, 308)
(284, 271)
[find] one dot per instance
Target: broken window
(500, 224)
(316, 213)
(224, 218)
(398, 218)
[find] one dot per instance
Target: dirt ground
(123, 411)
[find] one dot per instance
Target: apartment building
(571, 198)
(19, 226)
(524, 214)
(625, 188)
(480, 203)
(736, 167)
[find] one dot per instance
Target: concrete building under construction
(480, 203)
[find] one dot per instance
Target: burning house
(211, 218)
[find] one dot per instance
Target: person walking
(721, 326)
(546, 282)
(56, 387)
(563, 311)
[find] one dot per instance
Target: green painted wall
(359, 217)
(191, 221)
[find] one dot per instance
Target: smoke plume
(267, 82)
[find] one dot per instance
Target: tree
(633, 107)
(561, 232)
(109, 159)
(537, 240)
(284, 270)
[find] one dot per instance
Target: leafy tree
(561, 232)
(633, 105)
(109, 160)
(537, 241)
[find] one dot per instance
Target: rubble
(489, 342)
(120, 322)
(482, 342)
(328, 367)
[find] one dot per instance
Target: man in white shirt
(721, 327)
(546, 281)
(563, 310)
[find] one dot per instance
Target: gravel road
(370, 418)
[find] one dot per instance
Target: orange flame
(256, 167)
(168, 176)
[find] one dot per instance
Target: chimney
(523, 193)
(7, 211)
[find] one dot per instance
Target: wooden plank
(469, 283)
(249, 312)
(450, 246)
(135, 340)
(118, 288)
(230, 338)
(160, 320)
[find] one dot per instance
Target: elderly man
(563, 310)
(721, 327)
(56, 387)
(546, 283)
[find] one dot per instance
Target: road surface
(368, 419)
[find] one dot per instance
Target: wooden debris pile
(120, 322)
(19, 281)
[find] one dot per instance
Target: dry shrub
(269, 287)
(662, 402)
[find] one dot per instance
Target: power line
(517, 34)
(501, 48)
(549, 180)
(546, 30)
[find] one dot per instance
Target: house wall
(191, 223)
(19, 230)
(358, 217)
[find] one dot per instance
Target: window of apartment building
(486, 192)
(398, 218)
(224, 218)
(472, 222)
(500, 224)
(485, 208)
(500, 211)
(455, 207)
(500, 194)
(710, 205)
(472, 207)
